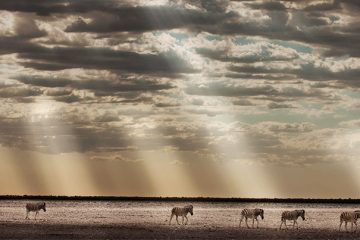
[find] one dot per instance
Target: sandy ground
(150, 220)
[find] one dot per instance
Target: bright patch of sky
(179, 35)
(244, 40)
(296, 46)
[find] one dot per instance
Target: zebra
(349, 217)
(34, 207)
(292, 215)
(253, 214)
(177, 211)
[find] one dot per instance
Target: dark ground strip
(62, 231)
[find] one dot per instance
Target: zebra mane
(300, 212)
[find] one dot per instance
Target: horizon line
(196, 199)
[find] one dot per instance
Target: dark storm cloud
(223, 55)
(101, 58)
(17, 44)
(68, 98)
(58, 58)
(275, 105)
(260, 76)
(310, 24)
(271, 6)
(307, 71)
(100, 85)
(243, 102)
(225, 89)
(112, 16)
(142, 19)
(48, 7)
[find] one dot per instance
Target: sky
(180, 98)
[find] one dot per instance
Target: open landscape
(150, 220)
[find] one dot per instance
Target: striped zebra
(34, 207)
(177, 211)
(292, 216)
(349, 217)
(253, 214)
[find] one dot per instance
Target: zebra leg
(285, 224)
(246, 222)
(257, 223)
(241, 219)
(340, 225)
(182, 221)
(253, 223)
(297, 225)
(346, 225)
(36, 214)
(27, 214)
(177, 220)
(171, 218)
(355, 226)
(352, 224)
(186, 220)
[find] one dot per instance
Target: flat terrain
(150, 220)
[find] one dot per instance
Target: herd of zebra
(246, 214)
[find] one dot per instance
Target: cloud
(26, 27)
(324, 6)
(19, 92)
(142, 19)
(250, 53)
(122, 69)
(62, 88)
(274, 105)
(312, 71)
(48, 7)
(101, 58)
(277, 127)
(271, 6)
(350, 124)
(233, 89)
(229, 90)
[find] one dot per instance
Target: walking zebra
(177, 211)
(253, 214)
(292, 215)
(34, 207)
(349, 217)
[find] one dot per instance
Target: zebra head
(43, 206)
(301, 213)
(357, 214)
(190, 209)
(261, 213)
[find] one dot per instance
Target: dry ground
(150, 220)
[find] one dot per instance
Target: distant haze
(180, 98)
